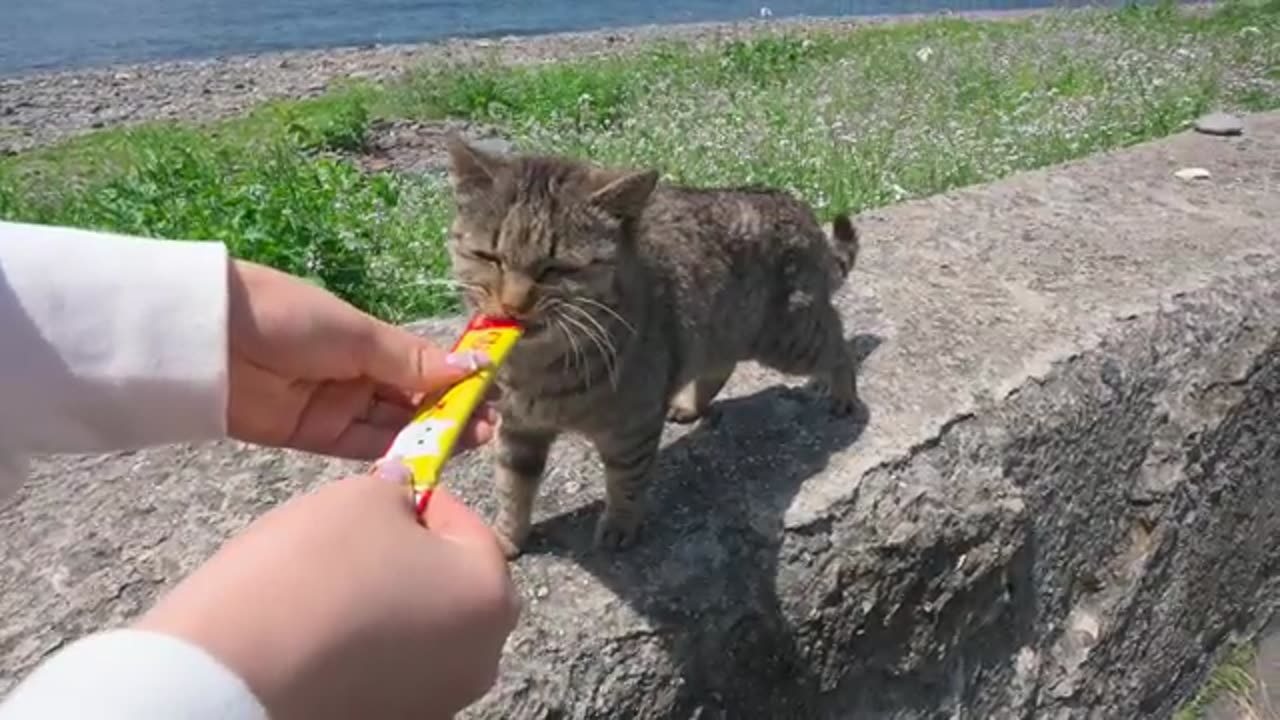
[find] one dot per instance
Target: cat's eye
(488, 257)
(553, 272)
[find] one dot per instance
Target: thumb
(450, 518)
(398, 358)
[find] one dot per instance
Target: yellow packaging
(427, 442)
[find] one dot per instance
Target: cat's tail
(844, 243)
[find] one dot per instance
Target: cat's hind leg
(812, 343)
(692, 401)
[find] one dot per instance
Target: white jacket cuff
(132, 674)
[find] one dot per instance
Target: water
(56, 34)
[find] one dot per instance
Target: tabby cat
(639, 299)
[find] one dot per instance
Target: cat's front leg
(628, 455)
(521, 459)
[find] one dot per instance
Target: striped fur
(640, 299)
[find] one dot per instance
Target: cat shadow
(703, 572)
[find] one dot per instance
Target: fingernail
(471, 360)
(393, 471)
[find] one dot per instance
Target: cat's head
(532, 233)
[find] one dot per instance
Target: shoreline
(43, 108)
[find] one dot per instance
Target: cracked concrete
(1063, 505)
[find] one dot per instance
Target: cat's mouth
(533, 326)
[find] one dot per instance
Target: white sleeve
(107, 343)
(128, 675)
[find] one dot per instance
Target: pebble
(1220, 124)
(494, 145)
(1192, 173)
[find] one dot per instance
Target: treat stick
(427, 442)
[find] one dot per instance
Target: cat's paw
(841, 397)
(615, 534)
(510, 550)
(511, 542)
(842, 406)
(682, 415)
(709, 416)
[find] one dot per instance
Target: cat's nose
(516, 308)
(516, 297)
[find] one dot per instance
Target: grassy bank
(849, 121)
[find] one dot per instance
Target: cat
(638, 300)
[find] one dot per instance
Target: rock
(1192, 173)
(969, 551)
(494, 144)
(1220, 124)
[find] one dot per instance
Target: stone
(493, 144)
(1219, 123)
(970, 551)
(1192, 173)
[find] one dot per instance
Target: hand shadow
(703, 571)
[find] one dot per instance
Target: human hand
(339, 604)
(311, 372)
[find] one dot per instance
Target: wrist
(254, 638)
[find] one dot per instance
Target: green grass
(372, 239)
(1232, 679)
(849, 121)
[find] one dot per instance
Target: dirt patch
(418, 148)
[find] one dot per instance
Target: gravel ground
(43, 108)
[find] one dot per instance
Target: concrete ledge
(1063, 504)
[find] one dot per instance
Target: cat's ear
(625, 195)
(471, 170)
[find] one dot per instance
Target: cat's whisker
(590, 334)
(571, 359)
(442, 283)
(611, 311)
(602, 339)
(604, 332)
(445, 288)
(557, 318)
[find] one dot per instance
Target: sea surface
(40, 35)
